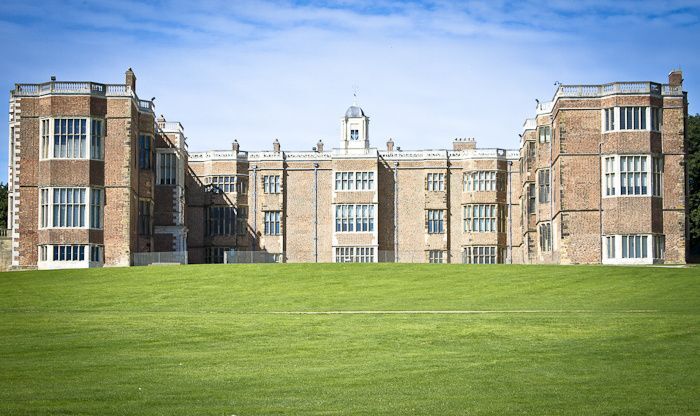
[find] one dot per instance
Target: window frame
(47, 138)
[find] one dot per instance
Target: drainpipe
(510, 214)
(600, 200)
(396, 212)
(316, 212)
(551, 188)
(255, 207)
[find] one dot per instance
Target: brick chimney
(390, 145)
(130, 79)
(460, 143)
(276, 146)
(675, 78)
(235, 147)
(319, 146)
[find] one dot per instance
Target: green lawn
(205, 340)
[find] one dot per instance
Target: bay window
(71, 138)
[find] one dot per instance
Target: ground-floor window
(483, 255)
(632, 247)
(354, 254)
(215, 254)
(436, 256)
(61, 253)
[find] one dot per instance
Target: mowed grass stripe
(350, 339)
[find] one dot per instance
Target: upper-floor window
(271, 184)
(543, 178)
(633, 118)
(68, 208)
(531, 198)
(167, 168)
(484, 218)
(545, 230)
(354, 134)
(71, 138)
(241, 220)
(436, 182)
(272, 222)
(483, 181)
(221, 220)
(145, 153)
(544, 133)
(436, 221)
(227, 183)
(630, 174)
(354, 218)
(354, 181)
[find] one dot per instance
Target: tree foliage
(693, 165)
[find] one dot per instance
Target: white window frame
(482, 181)
(272, 222)
(544, 134)
(47, 138)
(435, 182)
(71, 254)
(647, 173)
(354, 218)
(354, 254)
(643, 115)
(481, 218)
(271, 184)
(480, 255)
(47, 202)
(647, 248)
(166, 167)
(437, 256)
(435, 221)
(354, 181)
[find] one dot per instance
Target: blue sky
(425, 71)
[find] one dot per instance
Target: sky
(425, 72)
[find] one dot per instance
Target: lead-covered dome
(354, 111)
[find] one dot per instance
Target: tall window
(44, 203)
(354, 134)
(144, 151)
(543, 182)
(531, 153)
(657, 170)
(436, 221)
(436, 182)
(354, 218)
(221, 220)
(354, 254)
(656, 118)
(272, 222)
(167, 168)
(531, 199)
(609, 114)
(545, 237)
(97, 140)
(609, 175)
(659, 246)
(633, 175)
(97, 254)
(482, 181)
(634, 246)
(45, 138)
(69, 138)
(68, 207)
(436, 256)
(241, 220)
(145, 208)
(480, 218)
(610, 246)
(364, 181)
(480, 255)
(241, 186)
(545, 134)
(96, 208)
(214, 255)
(271, 184)
(633, 118)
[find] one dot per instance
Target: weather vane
(355, 88)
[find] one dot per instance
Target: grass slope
(202, 340)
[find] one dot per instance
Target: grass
(204, 340)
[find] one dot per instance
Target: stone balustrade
(602, 90)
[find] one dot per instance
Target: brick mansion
(96, 179)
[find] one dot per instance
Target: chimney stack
(130, 79)
(390, 145)
(276, 146)
(235, 146)
(460, 143)
(675, 78)
(319, 146)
